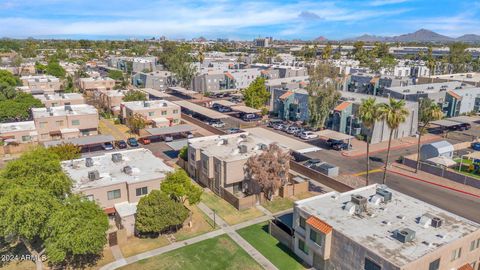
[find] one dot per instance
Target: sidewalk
(406, 171)
(360, 147)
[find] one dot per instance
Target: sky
(236, 20)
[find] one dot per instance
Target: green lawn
(217, 253)
(281, 256)
(278, 204)
(226, 211)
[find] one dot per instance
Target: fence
(242, 203)
(15, 149)
(290, 190)
(319, 177)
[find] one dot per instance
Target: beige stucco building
(19, 132)
(377, 228)
(159, 113)
(117, 180)
(91, 84)
(40, 84)
(60, 99)
(64, 122)
(111, 99)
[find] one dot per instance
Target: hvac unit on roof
(93, 175)
(117, 157)
(127, 170)
(242, 149)
(360, 202)
(68, 108)
(405, 235)
(387, 195)
(436, 222)
(88, 162)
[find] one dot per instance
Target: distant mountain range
(422, 35)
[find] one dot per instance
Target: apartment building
(40, 84)
(133, 64)
(117, 180)
(60, 99)
(377, 228)
(158, 80)
(212, 81)
(19, 132)
(159, 113)
(111, 99)
(97, 83)
(242, 78)
(64, 122)
(471, 78)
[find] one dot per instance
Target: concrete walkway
(117, 253)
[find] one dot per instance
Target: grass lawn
(226, 211)
(278, 204)
(216, 253)
(18, 250)
(133, 245)
(257, 235)
(465, 166)
(106, 259)
(200, 224)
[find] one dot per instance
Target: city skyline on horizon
(282, 19)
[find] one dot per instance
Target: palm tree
(393, 113)
(368, 114)
(428, 111)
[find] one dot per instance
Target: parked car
(274, 122)
(168, 138)
(307, 135)
(341, 146)
(132, 142)
(121, 144)
(250, 117)
(475, 146)
(144, 141)
(312, 162)
(107, 146)
(224, 109)
(189, 135)
(332, 142)
(217, 124)
(286, 127)
(233, 130)
(279, 126)
(293, 130)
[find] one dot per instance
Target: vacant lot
(257, 235)
(216, 253)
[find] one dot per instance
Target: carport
(327, 134)
(185, 92)
(224, 102)
(88, 143)
(282, 140)
(197, 109)
(154, 94)
(245, 109)
(445, 124)
(157, 133)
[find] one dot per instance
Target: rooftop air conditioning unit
(387, 195)
(117, 157)
(262, 146)
(360, 201)
(242, 149)
(405, 235)
(93, 175)
(89, 162)
(68, 108)
(436, 222)
(127, 170)
(225, 141)
(146, 104)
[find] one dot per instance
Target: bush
(360, 137)
(183, 153)
(116, 121)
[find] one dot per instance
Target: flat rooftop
(39, 78)
(426, 88)
(114, 93)
(57, 96)
(17, 126)
(145, 166)
(96, 79)
(149, 104)
(298, 79)
(466, 77)
(79, 109)
(358, 97)
(374, 229)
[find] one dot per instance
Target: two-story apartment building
(91, 84)
(159, 113)
(19, 132)
(60, 99)
(117, 180)
(158, 80)
(40, 84)
(64, 122)
(111, 99)
(377, 228)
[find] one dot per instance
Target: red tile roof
(342, 106)
(286, 95)
(466, 267)
(319, 225)
(455, 95)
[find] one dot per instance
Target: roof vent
(164, 104)
(350, 207)
(128, 170)
(360, 202)
(436, 222)
(387, 195)
(243, 148)
(405, 235)
(68, 108)
(88, 162)
(262, 146)
(225, 141)
(243, 136)
(117, 157)
(93, 175)
(376, 199)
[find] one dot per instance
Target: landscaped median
(257, 235)
(216, 253)
(226, 211)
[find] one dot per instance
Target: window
(175, 111)
(371, 265)
(301, 222)
(175, 121)
(114, 194)
(75, 122)
(164, 112)
(141, 191)
(302, 246)
(151, 113)
(26, 138)
(43, 124)
(59, 123)
(475, 244)
(435, 265)
(89, 197)
(456, 254)
(85, 132)
(316, 237)
(54, 104)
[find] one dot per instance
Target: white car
(292, 130)
(307, 135)
(218, 124)
(169, 138)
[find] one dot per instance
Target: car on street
(475, 146)
(144, 141)
(312, 162)
(132, 142)
(107, 146)
(121, 144)
(233, 130)
(332, 142)
(307, 135)
(168, 138)
(341, 146)
(293, 130)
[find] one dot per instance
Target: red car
(144, 141)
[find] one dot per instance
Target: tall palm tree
(393, 113)
(368, 114)
(428, 111)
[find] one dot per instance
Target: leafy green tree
(66, 151)
(69, 85)
(157, 213)
(75, 231)
(53, 68)
(18, 108)
(458, 57)
(136, 122)
(393, 113)
(7, 78)
(183, 153)
(327, 52)
(178, 186)
(177, 59)
(428, 111)
(135, 95)
(368, 114)
(256, 94)
(40, 68)
(117, 75)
